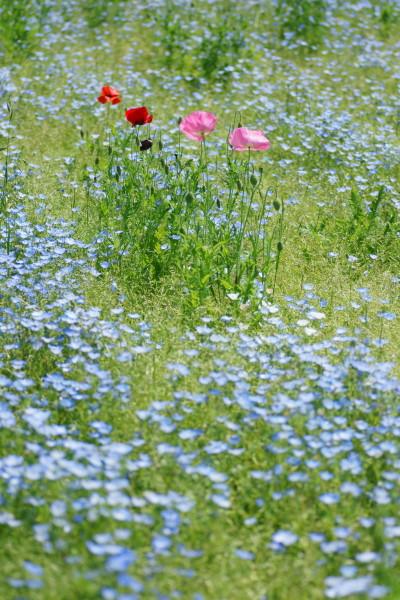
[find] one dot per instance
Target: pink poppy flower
(198, 124)
(242, 139)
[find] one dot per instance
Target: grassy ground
(199, 398)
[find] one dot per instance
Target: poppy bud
(145, 145)
(276, 205)
(279, 246)
(253, 180)
(165, 166)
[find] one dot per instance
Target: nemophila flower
(138, 116)
(109, 95)
(121, 560)
(161, 544)
(342, 587)
(198, 124)
(284, 538)
(242, 139)
(244, 554)
(221, 500)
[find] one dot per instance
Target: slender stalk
(279, 246)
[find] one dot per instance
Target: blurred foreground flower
(198, 124)
(109, 95)
(242, 139)
(138, 116)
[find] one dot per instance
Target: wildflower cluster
(196, 126)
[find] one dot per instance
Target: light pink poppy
(198, 124)
(242, 139)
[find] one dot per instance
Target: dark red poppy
(109, 95)
(138, 116)
(145, 145)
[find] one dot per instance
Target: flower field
(200, 299)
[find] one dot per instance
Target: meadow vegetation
(199, 347)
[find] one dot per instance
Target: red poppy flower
(109, 95)
(138, 116)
